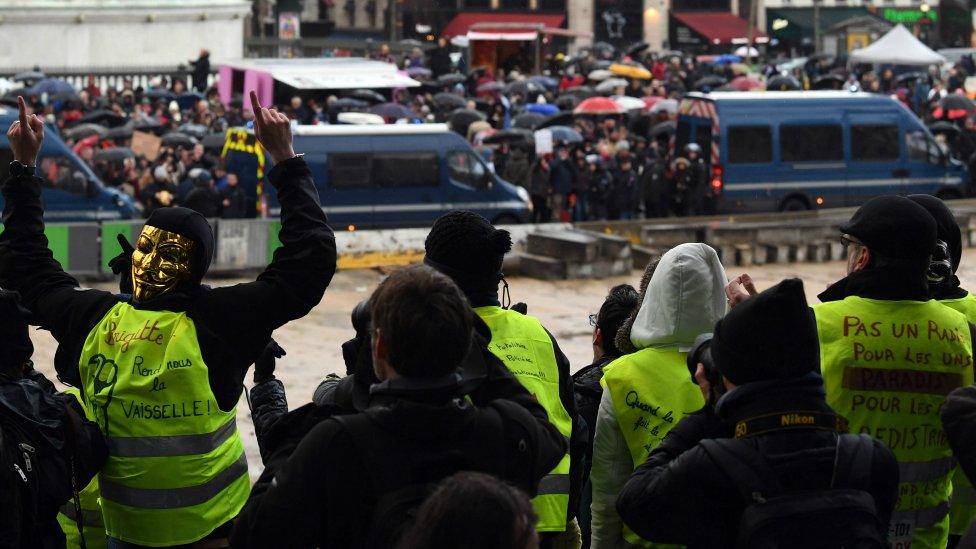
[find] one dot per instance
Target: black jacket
(322, 496)
(959, 423)
(233, 323)
(679, 495)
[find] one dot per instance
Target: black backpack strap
(744, 466)
(380, 454)
(853, 461)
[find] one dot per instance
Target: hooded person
(648, 391)
(466, 247)
(161, 372)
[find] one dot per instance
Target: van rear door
(877, 162)
(406, 179)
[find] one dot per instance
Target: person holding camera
(765, 460)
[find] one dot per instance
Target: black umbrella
(460, 119)
(582, 92)
(29, 77)
(565, 134)
(567, 102)
(523, 87)
(369, 96)
(664, 128)
(904, 78)
(712, 81)
(828, 82)
(528, 120)
(394, 111)
(561, 119)
(119, 132)
(82, 131)
(603, 50)
(490, 87)
(602, 64)
(160, 94)
(944, 127)
(783, 83)
(176, 139)
(103, 117)
(149, 125)
(214, 141)
(347, 103)
(637, 48)
(510, 135)
(114, 154)
(451, 79)
(194, 130)
(957, 102)
(446, 100)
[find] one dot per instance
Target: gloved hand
(520, 307)
(122, 264)
(264, 367)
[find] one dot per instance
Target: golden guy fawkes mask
(160, 262)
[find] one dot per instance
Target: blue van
(399, 175)
(72, 191)
(771, 151)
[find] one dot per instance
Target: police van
(371, 176)
(72, 191)
(772, 151)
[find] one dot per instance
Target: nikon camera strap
(824, 421)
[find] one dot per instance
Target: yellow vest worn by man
(526, 349)
(91, 513)
(887, 367)
(176, 468)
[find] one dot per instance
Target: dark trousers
(540, 209)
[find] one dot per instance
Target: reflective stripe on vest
(526, 349)
(89, 517)
(175, 458)
(651, 391)
(887, 367)
(962, 509)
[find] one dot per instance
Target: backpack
(398, 494)
(843, 515)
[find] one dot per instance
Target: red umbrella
(745, 83)
(650, 101)
(598, 105)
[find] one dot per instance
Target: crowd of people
(713, 415)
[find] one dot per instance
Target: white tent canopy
(898, 47)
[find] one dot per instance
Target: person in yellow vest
(90, 521)
(889, 356)
(162, 373)
(466, 247)
(647, 392)
(944, 286)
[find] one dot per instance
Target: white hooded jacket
(684, 298)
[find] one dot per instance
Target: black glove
(122, 264)
(264, 367)
(520, 307)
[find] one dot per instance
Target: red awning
(718, 27)
(507, 22)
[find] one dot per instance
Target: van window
(405, 170)
(349, 170)
(921, 148)
(59, 172)
(873, 142)
(466, 168)
(811, 143)
(750, 145)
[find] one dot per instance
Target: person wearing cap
(764, 360)
(889, 356)
(648, 390)
(162, 372)
(466, 247)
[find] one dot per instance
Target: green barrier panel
(110, 243)
(274, 227)
(57, 241)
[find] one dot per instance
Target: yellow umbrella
(630, 71)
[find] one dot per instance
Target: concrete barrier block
(798, 253)
(241, 244)
(641, 256)
(669, 236)
(610, 246)
(543, 268)
(566, 246)
(743, 255)
(818, 252)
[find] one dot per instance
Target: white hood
(685, 298)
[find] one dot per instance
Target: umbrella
(628, 103)
(651, 100)
(598, 105)
(582, 92)
(746, 51)
(783, 83)
(745, 83)
(944, 127)
(214, 141)
(913, 76)
(360, 118)
(630, 71)
(393, 111)
(187, 100)
(419, 72)
(114, 154)
(726, 59)
(542, 108)
(523, 87)
(528, 120)
(103, 117)
(369, 96)
(828, 82)
(29, 77)
(176, 139)
(610, 84)
(604, 50)
(546, 82)
(567, 101)
(712, 81)
(669, 106)
(194, 130)
(565, 134)
(511, 135)
(119, 132)
(664, 128)
(637, 48)
(149, 125)
(347, 103)
(53, 87)
(599, 75)
(561, 119)
(953, 107)
(460, 119)
(451, 79)
(602, 64)
(157, 94)
(447, 100)
(82, 131)
(490, 87)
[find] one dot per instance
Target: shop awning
(507, 23)
(719, 27)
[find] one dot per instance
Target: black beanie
(468, 248)
(15, 343)
(772, 335)
(947, 230)
(896, 228)
(192, 225)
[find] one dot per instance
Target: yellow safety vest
(176, 468)
(91, 514)
(526, 349)
(887, 367)
(962, 510)
(651, 391)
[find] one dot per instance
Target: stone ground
(313, 342)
